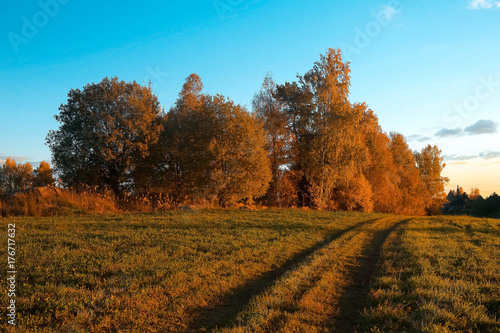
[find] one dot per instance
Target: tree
(325, 126)
(16, 177)
(474, 193)
(268, 110)
(212, 149)
(479, 208)
(381, 172)
(167, 169)
(239, 166)
(298, 107)
(430, 165)
(2, 180)
(412, 194)
(42, 176)
(106, 130)
(492, 205)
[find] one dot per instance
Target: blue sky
(429, 69)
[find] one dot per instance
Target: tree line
(19, 177)
(303, 144)
(474, 204)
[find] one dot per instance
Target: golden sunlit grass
(262, 271)
(307, 299)
(439, 275)
(151, 272)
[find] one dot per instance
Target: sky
(429, 69)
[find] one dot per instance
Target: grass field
(265, 271)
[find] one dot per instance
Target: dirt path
(356, 295)
(224, 313)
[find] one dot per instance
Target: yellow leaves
(15, 177)
(218, 145)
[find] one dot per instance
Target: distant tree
(460, 199)
(9, 176)
(2, 180)
(474, 193)
(268, 110)
(42, 176)
(478, 208)
(16, 177)
(430, 165)
(492, 206)
(105, 132)
(451, 196)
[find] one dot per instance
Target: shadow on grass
(225, 312)
(356, 294)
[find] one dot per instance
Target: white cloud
(483, 4)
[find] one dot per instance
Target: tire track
(226, 311)
(356, 295)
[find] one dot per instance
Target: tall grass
(52, 201)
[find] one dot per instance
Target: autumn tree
(167, 169)
(1, 181)
(381, 171)
(239, 166)
(106, 129)
(16, 177)
(430, 165)
(212, 149)
(42, 176)
(268, 110)
(325, 126)
(474, 193)
(298, 107)
(411, 192)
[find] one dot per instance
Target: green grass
(264, 271)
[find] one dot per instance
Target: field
(264, 271)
